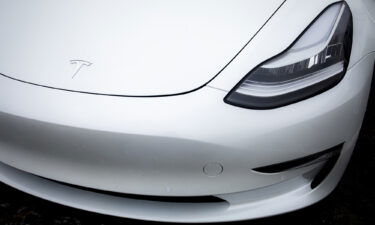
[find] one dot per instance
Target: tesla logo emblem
(80, 64)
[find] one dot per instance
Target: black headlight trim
(264, 103)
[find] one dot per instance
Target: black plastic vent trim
(301, 162)
(166, 199)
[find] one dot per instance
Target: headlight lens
(316, 62)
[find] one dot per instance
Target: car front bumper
(182, 146)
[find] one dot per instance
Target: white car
(182, 111)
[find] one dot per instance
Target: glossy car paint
(161, 146)
(136, 47)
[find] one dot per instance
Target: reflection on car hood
(125, 47)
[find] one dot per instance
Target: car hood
(125, 47)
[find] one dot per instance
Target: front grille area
(166, 199)
(329, 157)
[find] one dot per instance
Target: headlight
(316, 62)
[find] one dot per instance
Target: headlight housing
(315, 62)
